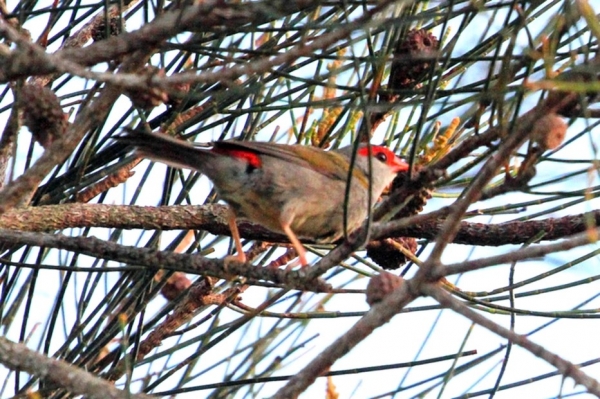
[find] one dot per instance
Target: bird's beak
(400, 165)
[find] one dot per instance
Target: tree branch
(162, 260)
(17, 356)
(566, 368)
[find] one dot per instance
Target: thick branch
(206, 16)
(17, 356)
(213, 219)
(530, 252)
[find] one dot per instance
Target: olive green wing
(328, 163)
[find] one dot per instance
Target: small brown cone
(412, 58)
(420, 197)
(549, 131)
(100, 31)
(386, 254)
(175, 285)
(42, 114)
(381, 285)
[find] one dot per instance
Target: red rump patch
(252, 158)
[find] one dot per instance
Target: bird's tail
(163, 148)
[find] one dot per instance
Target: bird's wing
(328, 163)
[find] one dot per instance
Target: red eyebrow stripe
(376, 149)
(252, 158)
(365, 151)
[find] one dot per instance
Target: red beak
(399, 165)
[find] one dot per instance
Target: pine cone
(385, 253)
(413, 58)
(381, 285)
(549, 131)
(114, 28)
(175, 285)
(42, 114)
(420, 198)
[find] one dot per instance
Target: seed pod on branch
(413, 58)
(42, 114)
(103, 30)
(420, 194)
(387, 254)
(381, 285)
(391, 253)
(549, 131)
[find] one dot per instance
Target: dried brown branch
(530, 252)
(213, 219)
(163, 260)
(142, 82)
(17, 356)
(83, 35)
(487, 234)
(203, 17)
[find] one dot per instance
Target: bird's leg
(295, 243)
(235, 233)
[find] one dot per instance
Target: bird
(296, 190)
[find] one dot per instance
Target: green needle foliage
(114, 265)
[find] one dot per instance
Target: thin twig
(566, 368)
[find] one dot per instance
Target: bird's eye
(382, 156)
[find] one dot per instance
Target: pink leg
(235, 233)
(296, 244)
